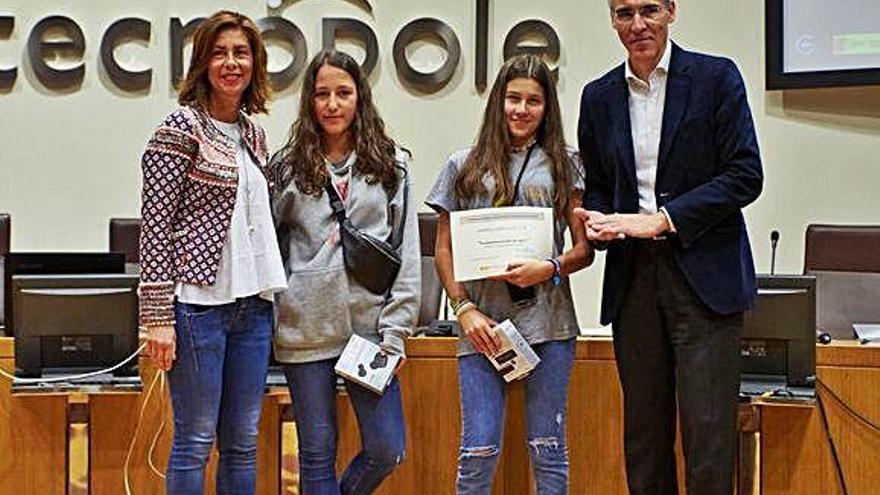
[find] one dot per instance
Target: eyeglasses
(651, 12)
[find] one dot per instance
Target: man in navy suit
(669, 146)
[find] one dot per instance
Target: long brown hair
(196, 89)
(491, 154)
(302, 158)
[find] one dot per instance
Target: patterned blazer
(190, 179)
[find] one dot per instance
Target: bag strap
(338, 207)
(521, 172)
(335, 202)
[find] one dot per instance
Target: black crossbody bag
(374, 263)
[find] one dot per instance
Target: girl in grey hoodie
(339, 138)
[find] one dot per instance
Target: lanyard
(519, 177)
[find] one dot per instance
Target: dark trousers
(672, 350)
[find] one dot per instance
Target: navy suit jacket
(709, 168)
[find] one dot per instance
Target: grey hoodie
(323, 305)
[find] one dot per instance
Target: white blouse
(251, 261)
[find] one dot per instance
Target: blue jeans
(483, 393)
(217, 384)
(380, 420)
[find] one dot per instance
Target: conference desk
(38, 455)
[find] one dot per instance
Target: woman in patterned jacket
(209, 257)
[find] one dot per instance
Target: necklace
(244, 176)
(234, 133)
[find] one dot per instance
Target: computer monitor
(53, 263)
(74, 322)
(779, 332)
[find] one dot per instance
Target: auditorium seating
(125, 236)
(5, 238)
(431, 288)
(5, 233)
(846, 262)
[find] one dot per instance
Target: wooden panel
(797, 456)
(793, 456)
(857, 444)
(848, 353)
(595, 430)
(33, 437)
(514, 466)
(114, 419)
(430, 381)
(430, 405)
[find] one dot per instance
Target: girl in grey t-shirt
(520, 159)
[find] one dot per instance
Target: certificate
(486, 240)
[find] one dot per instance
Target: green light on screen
(857, 44)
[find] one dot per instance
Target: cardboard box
(516, 358)
(364, 363)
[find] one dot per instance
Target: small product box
(516, 358)
(364, 363)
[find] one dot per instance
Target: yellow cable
(159, 374)
(164, 405)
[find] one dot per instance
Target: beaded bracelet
(456, 303)
(464, 307)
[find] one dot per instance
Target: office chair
(432, 289)
(5, 233)
(5, 238)
(846, 262)
(125, 234)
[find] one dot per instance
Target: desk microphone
(774, 240)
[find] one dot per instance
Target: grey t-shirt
(551, 317)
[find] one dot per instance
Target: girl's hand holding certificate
(526, 273)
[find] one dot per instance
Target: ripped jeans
(483, 393)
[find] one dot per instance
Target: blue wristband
(557, 277)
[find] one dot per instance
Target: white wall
(68, 162)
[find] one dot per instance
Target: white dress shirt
(646, 102)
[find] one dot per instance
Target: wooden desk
(33, 438)
(34, 435)
(431, 406)
(795, 455)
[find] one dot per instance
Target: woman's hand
(162, 346)
(527, 273)
(480, 330)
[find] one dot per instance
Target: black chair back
(125, 236)
(846, 262)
